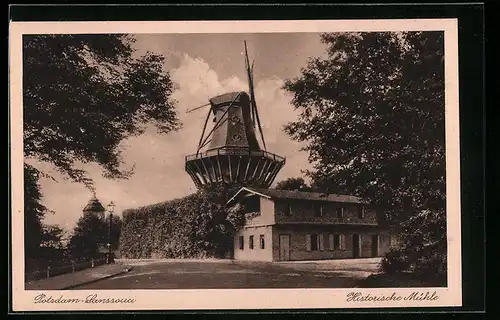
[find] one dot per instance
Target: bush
(422, 247)
(395, 261)
(432, 261)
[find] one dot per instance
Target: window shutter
(342, 242)
(330, 242)
(321, 242)
(308, 242)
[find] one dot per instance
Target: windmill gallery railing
(228, 151)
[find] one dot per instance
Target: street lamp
(111, 209)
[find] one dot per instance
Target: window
(261, 241)
(242, 242)
(361, 212)
(336, 242)
(340, 212)
(252, 205)
(318, 209)
(288, 210)
(314, 242)
(250, 242)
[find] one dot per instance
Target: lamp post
(111, 209)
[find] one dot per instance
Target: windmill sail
(197, 108)
(253, 103)
(250, 85)
(250, 81)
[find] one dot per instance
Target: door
(284, 247)
(355, 245)
(375, 245)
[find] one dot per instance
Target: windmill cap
(227, 98)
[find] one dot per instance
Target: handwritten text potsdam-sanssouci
(93, 298)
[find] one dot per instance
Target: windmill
(233, 153)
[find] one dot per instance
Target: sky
(202, 66)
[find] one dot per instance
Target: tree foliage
(422, 248)
(42, 242)
(90, 235)
(372, 118)
(198, 225)
(53, 236)
(372, 115)
(34, 212)
(37, 234)
(84, 94)
(293, 184)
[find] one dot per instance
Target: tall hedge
(197, 226)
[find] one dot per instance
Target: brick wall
(303, 211)
(255, 254)
(298, 242)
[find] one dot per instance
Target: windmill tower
(230, 151)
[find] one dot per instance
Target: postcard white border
(239, 298)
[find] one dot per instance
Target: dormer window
(318, 209)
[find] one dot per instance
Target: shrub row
(197, 226)
(423, 246)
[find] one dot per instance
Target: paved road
(230, 275)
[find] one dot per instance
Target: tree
(372, 117)
(84, 94)
(52, 247)
(34, 212)
(36, 233)
(53, 236)
(91, 234)
(42, 242)
(293, 184)
(210, 223)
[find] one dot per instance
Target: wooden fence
(52, 269)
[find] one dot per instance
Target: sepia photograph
(190, 161)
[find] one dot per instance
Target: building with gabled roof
(284, 225)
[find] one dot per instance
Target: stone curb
(127, 269)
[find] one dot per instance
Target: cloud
(159, 158)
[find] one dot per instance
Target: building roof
(229, 97)
(297, 195)
(94, 205)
